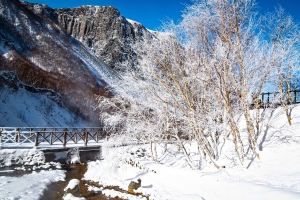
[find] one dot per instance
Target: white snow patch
(133, 22)
(71, 197)
(72, 184)
(30, 186)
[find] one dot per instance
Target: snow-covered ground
(32, 184)
(275, 176)
(29, 186)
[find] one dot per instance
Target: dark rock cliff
(102, 29)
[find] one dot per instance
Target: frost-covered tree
(203, 76)
(284, 37)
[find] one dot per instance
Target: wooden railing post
(36, 139)
(85, 137)
(51, 138)
(17, 136)
(65, 137)
(1, 137)
(295, 96)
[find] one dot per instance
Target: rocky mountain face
(73, 52)
(103, 30)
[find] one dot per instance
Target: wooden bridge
(40, 136)
(272, 99)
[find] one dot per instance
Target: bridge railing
(273, 99)
(10, 136)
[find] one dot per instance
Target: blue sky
(152, 12)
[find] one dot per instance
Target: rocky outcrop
(105, 31)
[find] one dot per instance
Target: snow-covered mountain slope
(26, 106)
(71, 51)
(45, 56)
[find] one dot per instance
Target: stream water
(56, 191)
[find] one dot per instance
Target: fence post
(86, 137)
(65, 137)
(17, 136)
(36, 139)
(51, 138)
(1, 137)
(295, 96)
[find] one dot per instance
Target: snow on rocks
(26, 160)
(73, 156)
(72, 184)
(10, 157)
(72, 188)
(71, 197)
